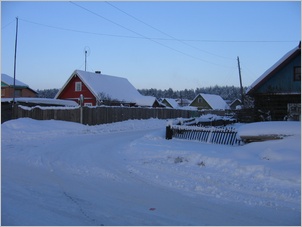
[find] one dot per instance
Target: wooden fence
(217, 135)
(100, 115)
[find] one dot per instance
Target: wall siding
(203, 105)
(70, 93)
(283, 80)
(24, 92)
(275, 104)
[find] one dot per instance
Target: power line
(137, 33)
(7, 24)
(166, 34)
(153, 38)
(102, 34)
(79, 31)
(140, 36)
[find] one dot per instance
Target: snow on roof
(42, 101)
(236, 100)
(112, 86)
(272, 68)
(10, 81)
(215, 101)
(172, 102)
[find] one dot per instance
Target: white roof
(10, 81)
(267, 72)
(114, 87)
(172, 102)
(215, 101)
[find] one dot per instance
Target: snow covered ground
(126, 173)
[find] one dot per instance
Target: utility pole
(15, 62)
(241, 88)
(85, 59)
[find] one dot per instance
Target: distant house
(99, 89)
(209, 102)
(183, 102)
(277, 92)
(170, 103)
(21, 89)
(235, 104)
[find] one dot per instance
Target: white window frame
(88, 104)
(78, 86)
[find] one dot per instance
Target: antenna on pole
(15, 62)
(87, 53)
(241, 88)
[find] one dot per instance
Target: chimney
(98, 72)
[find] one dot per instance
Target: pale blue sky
(160, 45)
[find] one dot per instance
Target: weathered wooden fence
(100, 115)
(48, 113)
(217, 135)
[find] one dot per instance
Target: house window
(78, 86)
(199, 100)
(297, 73)
(88, 104)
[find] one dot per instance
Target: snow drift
(126, 173)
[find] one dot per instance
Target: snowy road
(58, 173)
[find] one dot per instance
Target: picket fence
(216, 135)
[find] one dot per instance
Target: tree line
(226, 92)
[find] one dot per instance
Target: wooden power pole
(15, 62)
(241, 88)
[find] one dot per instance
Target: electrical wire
(102, 34)
(166, 34)
(153, 38)
(78, 31)
(141, 35)
(7, 24)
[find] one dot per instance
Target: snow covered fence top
(45, 101)
(190, 129)
(204, 120)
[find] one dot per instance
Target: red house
(99, 89)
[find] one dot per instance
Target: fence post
(81, 108)
(169, 132)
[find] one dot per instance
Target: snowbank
(283, 128)
(126, 173)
